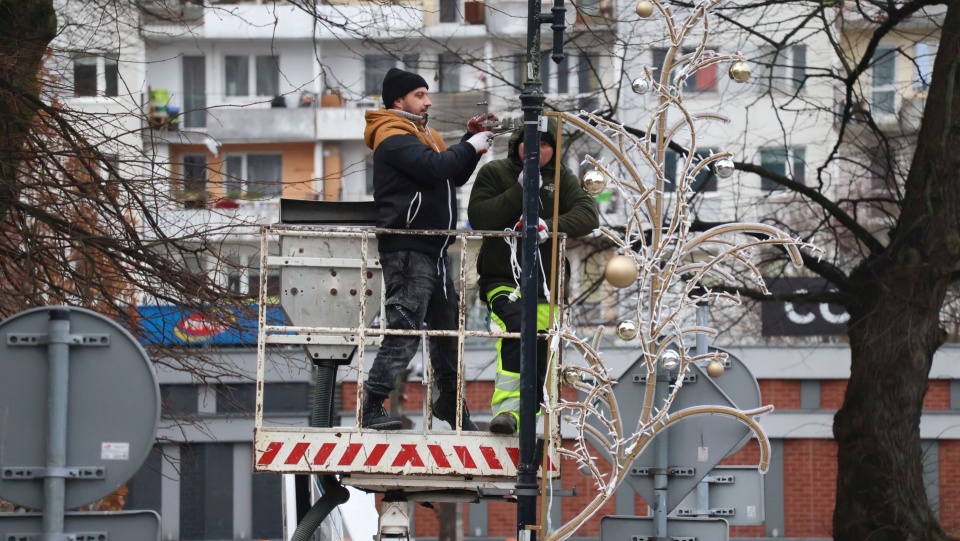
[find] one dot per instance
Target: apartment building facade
(243, 103)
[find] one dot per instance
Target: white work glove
(475, 124)
(481, 141)
(543, 232)
(539, 179)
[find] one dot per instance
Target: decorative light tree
(662, 260)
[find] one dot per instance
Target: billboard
(780, 318)
(169, 325)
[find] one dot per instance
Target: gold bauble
(644, 8)
(715, 369)
(740, 72)
(621, 271)
(627, 330)
(593, 182)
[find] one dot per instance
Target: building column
(170, 493)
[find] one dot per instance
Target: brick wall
(809, 485)
(950, 486)
(809, 468)
(781, 393)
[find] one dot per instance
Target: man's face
(546, 153)
(414, 102)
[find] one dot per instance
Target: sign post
(78, 392)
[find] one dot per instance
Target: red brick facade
(809, 469)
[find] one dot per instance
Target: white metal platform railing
(330, 277)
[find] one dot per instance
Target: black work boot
(375, 417)
(445, 409)
(504, 423)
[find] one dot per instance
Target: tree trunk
(26, 28)
(895, 330)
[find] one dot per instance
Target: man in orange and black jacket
(415, 177)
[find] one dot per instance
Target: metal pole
(58, 378)
(661, 463)
(703, 487)
(532, 105)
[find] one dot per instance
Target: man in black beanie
(415, 177)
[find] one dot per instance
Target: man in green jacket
(496, 203)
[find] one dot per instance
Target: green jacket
(496, 203)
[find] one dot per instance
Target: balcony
(339, 120)
(868, 16)
(197, 215)
(171, 17)
(261, 125)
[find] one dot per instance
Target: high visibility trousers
(506, 314)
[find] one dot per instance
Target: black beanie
(398, 83)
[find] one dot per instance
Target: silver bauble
(669, 359)
(640, 85)
(740, 72)
(571, 376)
(621, 271)
(593, 182)
(724, 167)
(644, 8)
(627, 330)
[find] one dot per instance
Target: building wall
(298, 165)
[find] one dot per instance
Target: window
(237, 70)
(790, 68)
(268, 75)
(546, 65)
(448, 66)
(704, 80)
(883, 94)
(86, 75)
(234, 273)
(194, 92)
(256, 176)
(588, 83)
(563, 74)
(111, 72)
(273, 281)
(411, 62)
(194, 174)
(924, 55)
(788, 162)
(705, 181)
(375, 68)
(237, 75)
(519, 69)
(590, 7)
(559, 77)
(448, 10)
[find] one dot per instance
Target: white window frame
(251, 62)
(100, 61)
(886, 87)
(243, 178)
(924, 54)
(791, 156)
(786, 67)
